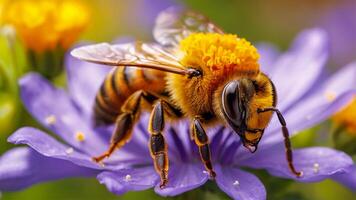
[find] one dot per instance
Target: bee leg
(122, 134)
(287, 143)
(202, 140)
(158, 146)
(125, 121)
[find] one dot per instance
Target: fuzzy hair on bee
(195, 71)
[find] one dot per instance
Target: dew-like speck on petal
(236, 183)
(128, 178)
(79, 136)
(70, 150)
(205, 172)
(50, 120)
(316, 168)
(101, 164)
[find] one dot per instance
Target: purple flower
(304, 100)
(339, 22)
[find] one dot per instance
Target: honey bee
(195, 71)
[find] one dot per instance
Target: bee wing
(136, 54)
(174, 24)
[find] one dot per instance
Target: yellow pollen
(330, 96)
(347, 117)
(46, 24)
(79, 136)
(219, 52)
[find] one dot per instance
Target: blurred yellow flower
(347, 117)
(2, 4)
(47, 24)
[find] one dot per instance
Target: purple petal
(348, 179)
(317, 107)
(84, 80)
(44, 102)
(297, 70)
(186, 148)
(151, 9)
(183, 178)
(48, 146)
(119, 182)
(316, 163)
(136, 151)
(239, 184)
(268, 55)
(22, 167)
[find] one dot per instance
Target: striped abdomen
(119, 84)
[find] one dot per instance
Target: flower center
(219, 52)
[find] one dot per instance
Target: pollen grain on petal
(79, 136)
(50, 119)
(330, 96)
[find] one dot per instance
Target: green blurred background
(273, 21)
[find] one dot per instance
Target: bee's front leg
(202, 140)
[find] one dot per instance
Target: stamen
(79, 136)
(50, 120)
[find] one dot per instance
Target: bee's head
(235, 99)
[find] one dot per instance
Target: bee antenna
(287, 143)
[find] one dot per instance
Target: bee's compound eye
(231, 104)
